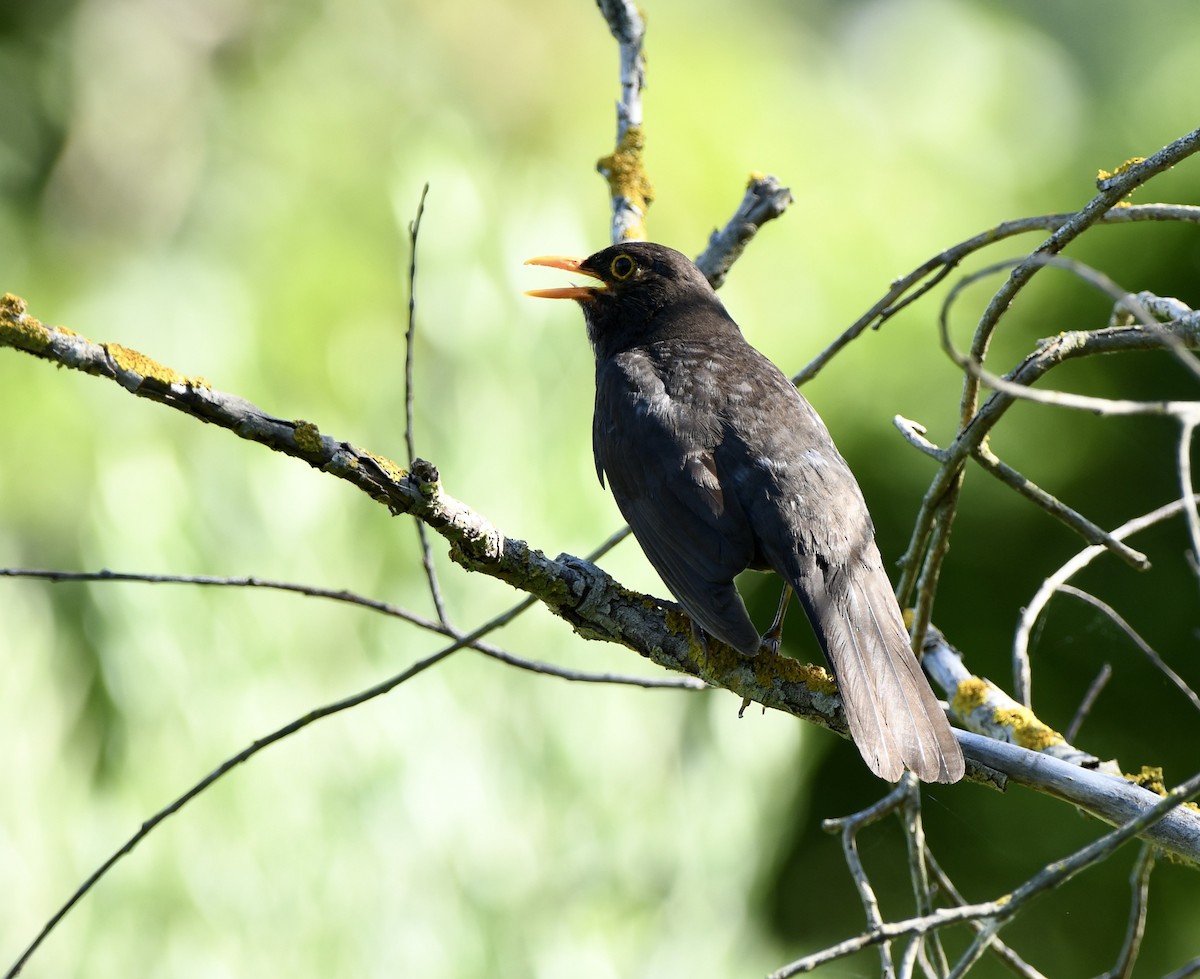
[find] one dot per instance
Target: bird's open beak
(567, 265)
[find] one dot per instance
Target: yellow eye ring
(622, 267)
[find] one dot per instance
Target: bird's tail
(894, 717)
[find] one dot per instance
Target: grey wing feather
(696, 538)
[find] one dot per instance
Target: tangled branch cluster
(1002, 737)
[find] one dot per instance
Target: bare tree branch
(910, 287)
(848, 827)
(594, 604)
(1015, 745)
(1006, 955)
(995, 914)
(1191, 968)
(765, 199)
(1089, 698)
(929, 542)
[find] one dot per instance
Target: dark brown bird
(719, 464)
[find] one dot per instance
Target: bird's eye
(622, 267)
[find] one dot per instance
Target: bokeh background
(226, 186)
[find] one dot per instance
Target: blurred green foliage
(226, 184)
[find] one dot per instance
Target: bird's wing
(811, 526)
(664, 479)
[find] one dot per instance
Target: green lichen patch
(21, 330)
(1103, 175)
(626, 173)
(1150, 778)
(970, 695)
(1027, 730)
(135, 362)
(390, 469)
(308, 437)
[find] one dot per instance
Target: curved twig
(1135, 637)
(910, 287)
(1022, 676)
(431, 577)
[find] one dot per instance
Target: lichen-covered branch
(592, 602)
(1010, 739)
(624, 168)
(625, 171)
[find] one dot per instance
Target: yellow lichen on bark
(626, 174)
(136, 362)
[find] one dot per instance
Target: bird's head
(643, 291)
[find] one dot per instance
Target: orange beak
(567, 265)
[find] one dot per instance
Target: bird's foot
(769, 644)
(773, 637)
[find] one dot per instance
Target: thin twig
(1090, 532)
(1139, 886)
(936, 548)
(1185, 971)
(971, 363)
(942, 264)
(431, 576)
(1006, 955)
(1089, 699)
(374, 605)
(1147, 650)
(848, 827)
(909, 958)
(909, 814)
(1184, 466)
(914, 434)
(1022, 676)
